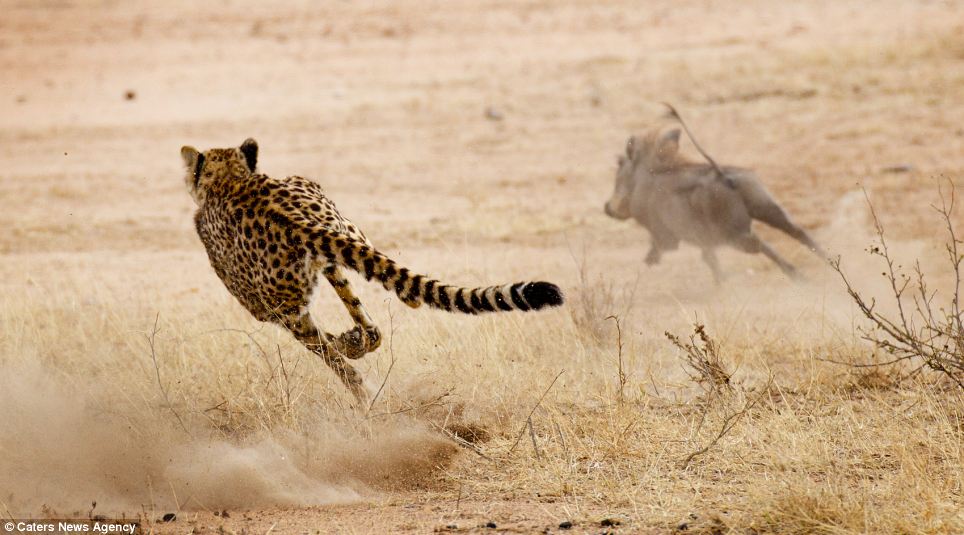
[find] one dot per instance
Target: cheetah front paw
(374, 337)
(356, 343)
(351, 344)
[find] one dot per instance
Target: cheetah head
(207, 168)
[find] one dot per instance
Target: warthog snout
(614, 213)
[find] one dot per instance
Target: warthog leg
(709, 256)
(804, 238)
(751, 243)
(776, 217)
(652, 257)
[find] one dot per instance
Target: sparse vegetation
(595, 299)
(130, 378)
(927, 328)
(703, 362)
(701, 356)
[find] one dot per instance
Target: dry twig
(621, 372)
(391, 352)
(532, 436)
(157, 373)
(928, 331)
(727, 425)
(702, 357)
(536, 406)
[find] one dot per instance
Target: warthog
(703, 204)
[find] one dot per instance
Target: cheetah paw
(374, 337)
(356, 343)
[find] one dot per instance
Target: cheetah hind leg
(365, 336)
(327, 347)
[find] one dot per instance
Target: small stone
(609, 522)
(595, 99)
(493, 114)
(565, 525)
(898, 168)
(169, 517)
(491, 525)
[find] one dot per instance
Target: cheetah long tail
(414, 289)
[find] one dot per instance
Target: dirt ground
(476, 141)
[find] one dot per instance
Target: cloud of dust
(849, 236)
(818, 307)
(63, 446)
(757, 313)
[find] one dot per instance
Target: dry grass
(815, 450)
(702, 357)
(128, 375)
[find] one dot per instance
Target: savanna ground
(131, 378)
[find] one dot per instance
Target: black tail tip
(542, 294)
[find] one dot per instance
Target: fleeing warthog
(703, 204)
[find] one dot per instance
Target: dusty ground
(385, 105)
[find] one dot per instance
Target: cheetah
(269, 239)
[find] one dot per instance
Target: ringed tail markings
(415, 289)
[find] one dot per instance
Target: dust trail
(63, 446)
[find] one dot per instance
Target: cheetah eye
(197, 168)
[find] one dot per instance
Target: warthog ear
(669, 143)
(250, 150)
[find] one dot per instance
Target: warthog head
(645, 155)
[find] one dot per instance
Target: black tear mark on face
(197, 168)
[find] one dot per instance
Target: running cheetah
(269, 238)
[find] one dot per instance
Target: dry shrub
(704, 364)
(595, 300)
(926, 329)
(702, 359)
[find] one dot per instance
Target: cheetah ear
(669, 143)
(189, 155)
(250, 150)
